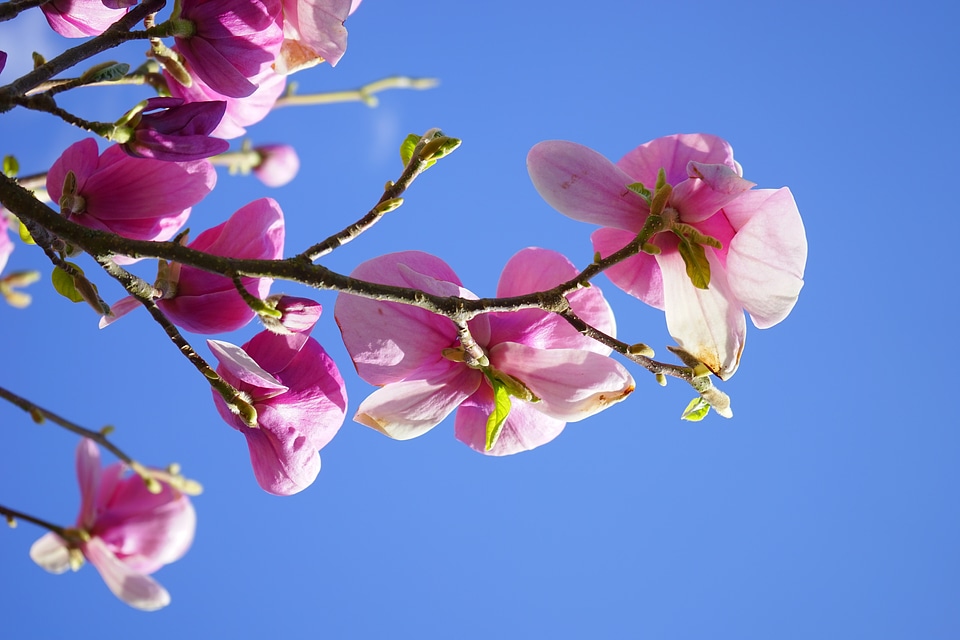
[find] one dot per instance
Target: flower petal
(767, 255)
(134, 588)
(672, 154)
(410, 408)
(638, 275)
(51, 553)
(707, 323)
(583, 185)
(240, 365)
(88, 477)
(709, 188)
(571, 384)
(525, 427)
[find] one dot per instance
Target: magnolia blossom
(81, 18)
(6, 246)
(556, 374)
(299, 397)
(241, 112)
(204, 302)
(168, 129)
(313, 31)
(137, 198)
(758, 267)
(3, 60)
(279, 164)
(125, 531)
(232, 42)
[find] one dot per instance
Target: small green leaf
(661, 179)
(105, 72)
(10, 166)
(696, 411)
(640, 190)
(501, 400)
(64, 284)
(406, 149)
(695, 259)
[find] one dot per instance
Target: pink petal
(82, 158)
(525, 428)
(80, 18)
(709, 188)
(708, 323)
(407, 409)
(51, 553)
(638, 275)
(241, 366)
(118, 309)
(313, 30)
(284, 461)
(571, 384)
(137, 590)
(767, 255)
(88, 477)
(673, 153)
(583, 185)
(151, 537)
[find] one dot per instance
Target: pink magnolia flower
(241, 112)
(279, 164)
(6, 246)
(417, 360)
(168, 129)
(300, 400)
(204, 302)
(313, 31)
(232, 42)
(758, 267)
(137, 198)
(127, 532)
(80, 18)
(3, 60)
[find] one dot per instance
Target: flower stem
(13, 515)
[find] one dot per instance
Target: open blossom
(417, 359)
(80, 18)
(313, 31)
(127, 532)
(241, 112)
(299, 397)
(204, 302)
(758, 267)
(137, 198)
(168, 129)
(232, 42)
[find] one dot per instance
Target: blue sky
(828, 506)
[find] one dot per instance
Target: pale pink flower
(80, 18)
(279, 164)
(137, 198)
(241, 112)
(758, 269)
(413, 354)
(130, 532)
(300, 400)
(6, 246)
(232, 43)
(313, 31)
(168, 129)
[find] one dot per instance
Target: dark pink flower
(758, 267)
(80, 18)
(232, 42)
(130, 531)
(300, 400)
(137, 198)
(241, 112)
(168, 129)
(555, 374)
(3, 60)
(279, 164)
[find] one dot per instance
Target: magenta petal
(673, 154)
(80, 18)
(214, 69)
(242, 367)
(571, 384)
(81, 158)
(134, 588)
(88, 477)
(525, 428)
(638, 275)
(410, 408)
(583, 185)
(714, 186)
(768, 254)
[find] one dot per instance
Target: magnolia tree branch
(13, 8)
(13, 515)
(364, 94)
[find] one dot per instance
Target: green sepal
(695, 259)
(10, 166)
(661, 179)
(406, 149)
(696, 411)
(640, 190)
(105, 72)
(25, 234)
(65, 285)
(501, 409)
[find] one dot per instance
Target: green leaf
(501, 400)
(10, 166)
(64, 284)
(696, 411)
(695, 259)
(25, 234)
(661, 179)
(640, 190)
(105, 72)
(406, 149)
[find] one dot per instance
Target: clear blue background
(827, 508)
